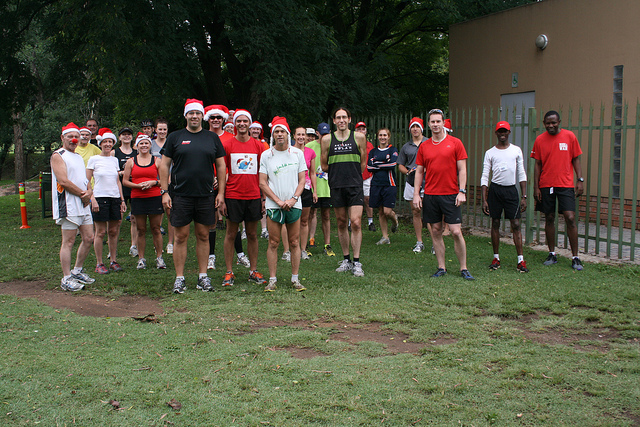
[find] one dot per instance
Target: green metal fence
(607, 213)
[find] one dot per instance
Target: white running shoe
(383, 241)
(71, 284)
(243, 260)
(304, 255)
(418, 248)
(133, 251)
(286, 256)
(160, 263)
(345, 265)
(357, 269)
(142, 264)
(244, 235)
(169, 248)
(211, 263)
(264, 234)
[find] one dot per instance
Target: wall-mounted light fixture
(542, 41)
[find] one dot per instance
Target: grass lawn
(552, 347)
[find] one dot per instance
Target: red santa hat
(84, 129)
(359, 124)
(417, 121)
(193, 104)
(212, 110)
(280, 122)
(105, 133)
(142, 136)
(447, 125)
(70, 127)
(240, 112)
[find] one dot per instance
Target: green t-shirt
(322, 178)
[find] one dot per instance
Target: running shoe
(357, 269)
(372, 227)
(264, 234)
(522, 267)
(204, 284)
(309, 253)
(243, 260)
(142, 264)
(286, 256)
(128, 217)
(169, 248)
(383, 241)
(243, 236)
(433, 250)
(418, 248)
(466, 275)
(71, 284)
(345, 265)
(82, 277)
(439, 272)
(312, 242)
(297, 286)
(304, 255)
(328, 251)
(162, 231)
(211, 263)
(271, 286)
(495, 264)
(551, 259)
(115, 266)
(395, 225)
(133, 251)
(160, 265)
(257, 277)
(229, 279)
(576, 264)
(179, 286)
(101, 269)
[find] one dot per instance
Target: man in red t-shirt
(557, 154)
(444, 160)
(366, 179)
(243, 199)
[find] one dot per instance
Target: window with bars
(617, 127)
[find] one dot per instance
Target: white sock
(294, 277)
(76, 270)
(520, 258)
(212, 256)
(273, 278)
(180, 277)
(552, 253)
(240, 254)
(202, 275)
(496, 256)
(370, 220)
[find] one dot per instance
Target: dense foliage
(124, 60)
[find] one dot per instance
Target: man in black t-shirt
(192, 151)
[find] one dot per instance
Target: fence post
(528, 225)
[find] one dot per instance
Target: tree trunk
(18, 144)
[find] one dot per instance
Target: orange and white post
(23, 206)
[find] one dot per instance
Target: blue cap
(323, 129)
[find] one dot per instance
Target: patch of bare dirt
(29, 187)
(353, 333)
(554, 337)
(83, 303)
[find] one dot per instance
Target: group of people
(201, 175)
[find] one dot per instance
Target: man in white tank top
(71, 199)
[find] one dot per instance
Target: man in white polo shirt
(504, 162)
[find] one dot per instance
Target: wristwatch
(463, 191)
(296, 198)
(581, 179)
(162, 192)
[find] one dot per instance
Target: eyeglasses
(435, 110)
(216, 118)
